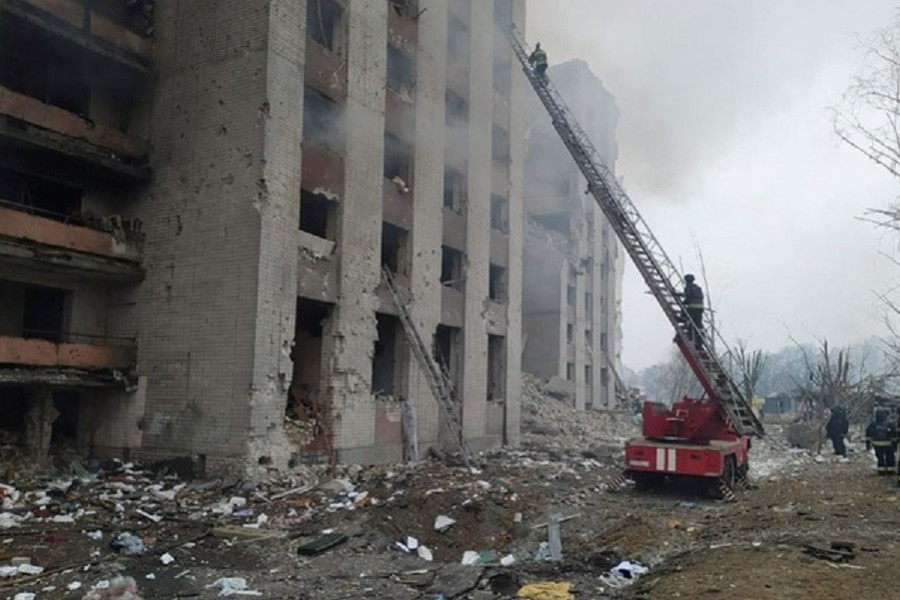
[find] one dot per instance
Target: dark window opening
(401, 71)
(588, 338)
(570, 372)
(561, 221)
(306, 355)
(499, 144)
(587, 375)
(47, 198)
(44, 68)
(393, 248)
(499, 218)
(503, 77)
(588, 302)
(604, 342)
(317, 215)
(570, 295)
(496, 379)
(457, 39)
(448, 351)
(324, 23)
(604, 377)
(398, 157)
(451, 268)
(455, 189)
(45, 313)
(384, 358)
(323, 121)
(570, 333)
(65, 428)
(456, 109)
(497, 283)
(14, 404)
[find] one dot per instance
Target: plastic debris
(623, 574)
(167, 559)
(546, 591)
(128, 544)
(95, 535)
(485, 557)
(75, 585)
(442, 523)
(120, 588)
(146, 515)
(24, 596)
(508, 560)
(326, 542)
(233, 586)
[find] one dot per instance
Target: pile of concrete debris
(550, 419)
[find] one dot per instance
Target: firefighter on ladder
(693, 303)
(538, 60)
(881, 434)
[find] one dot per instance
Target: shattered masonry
(194, 219)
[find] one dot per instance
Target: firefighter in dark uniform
(881, 434)
(538, 60)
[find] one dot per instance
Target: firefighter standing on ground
(836, 429)
(538, 59)
(881, 434)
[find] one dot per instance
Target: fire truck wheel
(729, 472)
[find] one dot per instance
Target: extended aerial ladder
(690, 420)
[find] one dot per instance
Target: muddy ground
(693, 547)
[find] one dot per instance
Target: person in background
(881, 434)
(836, 429)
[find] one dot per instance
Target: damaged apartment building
(196, 206)
(571, 299)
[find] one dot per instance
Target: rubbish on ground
(485, 557)
(546, 591)
(75, 585)
(832, 554)
(517, 518)
(167, 559)
(695, 505)
(543, 552)
(24, 596)
(623, 574)
(412, 543)
(442, 523)
(424, 553)
(554, 536)
(128, 544)
(326, 542)
(561, 520)
(508, 560)
(16, 561)
(233, 586)
(146, 515)
(95, 535)
(120, 588)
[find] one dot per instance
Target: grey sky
(725, 140)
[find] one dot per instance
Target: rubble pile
(549, 420)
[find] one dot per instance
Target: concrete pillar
(39, 423)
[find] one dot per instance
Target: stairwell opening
(385, 356)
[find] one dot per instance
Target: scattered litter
(120, 588)
(546, 591)
(233, 586)
(167, 559)
(412, 543)
(150, 576)
(508, 560)
(24, 596)
(146, 515)
(128, 544)
(75, 585)
(485, 557)
(442, 523)
(95, 535)
(623, 574)
(326, 542)
(837, 553)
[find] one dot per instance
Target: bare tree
(752, 365)
(868, 117)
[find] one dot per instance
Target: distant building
(573, 263)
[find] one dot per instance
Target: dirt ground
(693, 547)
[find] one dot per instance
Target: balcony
(27, 124)
(403, 31)
(42, 239)
(499, 248)
(92, 360)
(326, 72)
(453, 306)
(317, 275)
(323, 172)
(399, 116)
(75, 21)
(397, 207)
(454, 235)
(495, 317)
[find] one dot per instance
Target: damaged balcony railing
(128, 231)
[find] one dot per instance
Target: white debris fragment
(508, 560)
(94, 535)
(75, 585)
(151, 517)
(470, 557)
(425, 554)
(167, 559)
(442, 523)
(412, 543)
(24, 596)
(233, 586)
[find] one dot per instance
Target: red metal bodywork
(688, 439)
